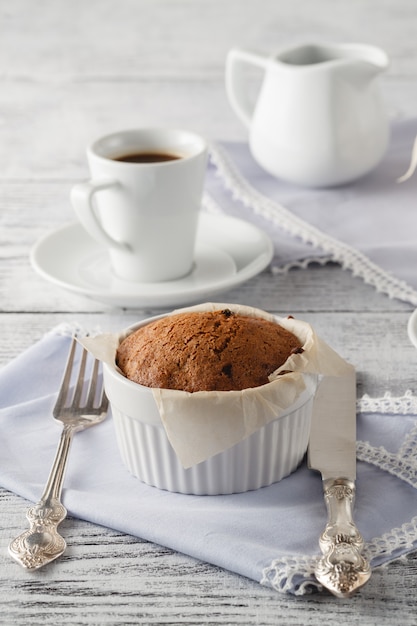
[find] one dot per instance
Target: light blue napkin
(368, 226)
(269, 535)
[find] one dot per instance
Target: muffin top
(205, 351)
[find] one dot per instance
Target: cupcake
(209, 400)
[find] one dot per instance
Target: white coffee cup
(145, 213)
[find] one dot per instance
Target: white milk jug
(319, 119)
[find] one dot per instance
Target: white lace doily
(277, 215)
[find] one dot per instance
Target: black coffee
(147, 157)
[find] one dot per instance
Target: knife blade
(332, 451)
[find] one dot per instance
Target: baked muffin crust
(205, 351)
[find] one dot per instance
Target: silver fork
(77, 409)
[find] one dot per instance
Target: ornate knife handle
(342, 569)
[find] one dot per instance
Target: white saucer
(412, 328)
(229, 251)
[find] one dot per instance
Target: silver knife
(332, 451)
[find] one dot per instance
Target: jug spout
(321, 55)
(362, 63)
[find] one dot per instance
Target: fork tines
(78, 395)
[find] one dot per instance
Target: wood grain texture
(70, 71)
(109, 578)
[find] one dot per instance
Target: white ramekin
(263, 458)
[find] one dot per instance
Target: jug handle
(235, 81)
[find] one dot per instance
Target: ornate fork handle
(42, 543)
(76, 410)
(342, 569)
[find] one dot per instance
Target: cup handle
(235, 81)
(82, 202)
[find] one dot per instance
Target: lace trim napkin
(369, 227)
(269, 535)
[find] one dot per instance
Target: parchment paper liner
(202, 424)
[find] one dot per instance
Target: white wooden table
(71, 71)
